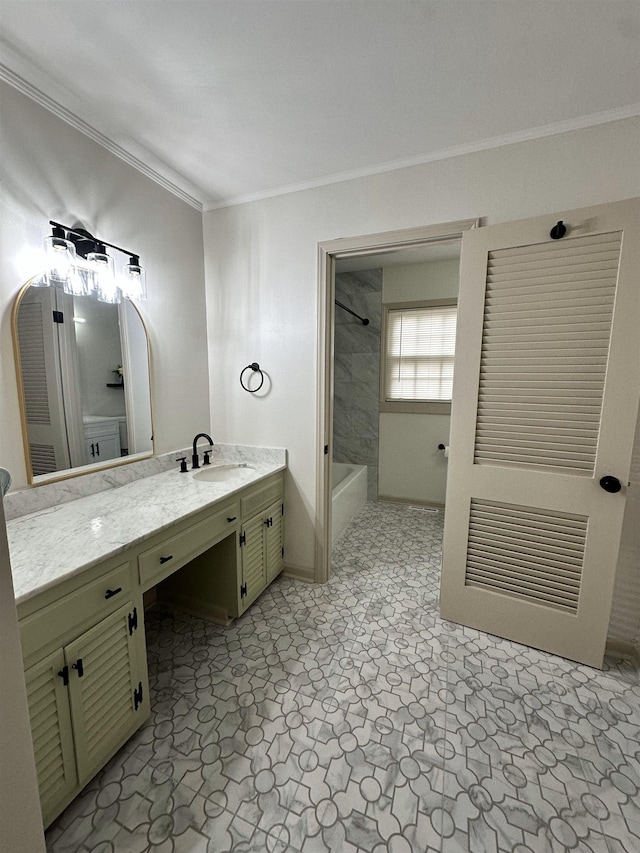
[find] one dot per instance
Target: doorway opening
(357, 425)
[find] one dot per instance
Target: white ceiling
(424, 254)
(241, 99)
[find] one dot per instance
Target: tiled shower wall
(357, 372)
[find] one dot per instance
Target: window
(418, 357)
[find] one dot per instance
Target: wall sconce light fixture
(79, 263)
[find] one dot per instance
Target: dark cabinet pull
(78, 667)
(93, 449)
(64, 675)
(269, 522)
(97, 448)
(111, 592)
(232, 518)
(166, 559)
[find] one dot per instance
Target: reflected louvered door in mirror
(545, 403)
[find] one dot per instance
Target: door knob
(611, 484)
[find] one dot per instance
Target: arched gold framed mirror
(83, 371)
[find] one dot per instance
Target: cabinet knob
(231, 518)
(166, 559)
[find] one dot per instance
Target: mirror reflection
(83, 370)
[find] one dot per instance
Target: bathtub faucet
(195, 462)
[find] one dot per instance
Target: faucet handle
(206, 460)
(183, 464)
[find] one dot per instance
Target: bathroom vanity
(80, 570)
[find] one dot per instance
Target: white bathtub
(348, 494)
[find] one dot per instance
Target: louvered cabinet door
(253, 560)
(50, 719)
(545, 402)
(273, 538)
(104, 683)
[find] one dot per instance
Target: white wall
(261, 273)
(428, 280)
(99, 353)
(410, 464)
(51, 171)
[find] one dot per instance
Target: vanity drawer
(90, 603)
(177, 549)
(260, 498)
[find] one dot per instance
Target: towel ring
(256, 369)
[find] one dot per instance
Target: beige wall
(410, 465)
(51, 171)
(262, 273)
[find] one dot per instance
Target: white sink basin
(223, 473)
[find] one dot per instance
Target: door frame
(328, 253)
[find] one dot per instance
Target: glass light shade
(135, 281)
(102, 272)
(78, 282)
(61, 261)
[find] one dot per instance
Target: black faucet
(195, 463)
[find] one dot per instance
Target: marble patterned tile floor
(350, 718)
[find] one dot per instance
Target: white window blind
(419, 354)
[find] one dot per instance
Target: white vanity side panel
(18, 781)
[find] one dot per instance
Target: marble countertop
(53, 544)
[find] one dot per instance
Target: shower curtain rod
(363, 320)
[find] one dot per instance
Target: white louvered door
(41, 381)
(545, 403)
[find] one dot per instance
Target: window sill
(419, 408)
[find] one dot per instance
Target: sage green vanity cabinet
(83, 639)
(226, 577)
(169, 551)
(51, 729)
(86, 677)
(262, 552)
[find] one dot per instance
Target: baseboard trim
(623, 649)
(392, 499)
(299, 573)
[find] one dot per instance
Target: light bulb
(135, 280)
(103, 277)
(61, 258)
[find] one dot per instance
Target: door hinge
(137, 697)
(326, 450)
(243, 590)
(282, 551)
(243, 538)
(64, 675)
(133, 620)
(58, 317)
(282, 509)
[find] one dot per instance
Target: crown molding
(530, 134)
(53, 106)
